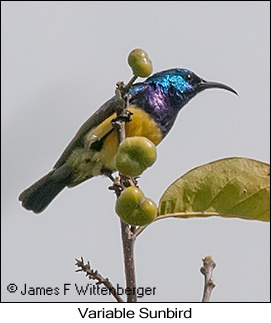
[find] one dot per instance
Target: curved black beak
(209, 85)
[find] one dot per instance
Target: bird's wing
(105, 111)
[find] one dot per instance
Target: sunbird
(154, 105)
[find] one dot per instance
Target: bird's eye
(192, 78)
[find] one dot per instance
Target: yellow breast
(89, 162)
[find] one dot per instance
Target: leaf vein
(248, 197)
(223, 187)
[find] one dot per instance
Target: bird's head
(196, 84)
(182, 85)
(165, 93)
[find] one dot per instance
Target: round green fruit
(147, 212)
(134, 209)
(129, 200)
(134, 155)
(140, 63)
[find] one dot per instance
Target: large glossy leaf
(231, 187)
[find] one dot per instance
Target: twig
(129, 84)
(93, 274)
(128, 253)
(207, 270)
(127, 231)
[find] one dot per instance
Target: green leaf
(231, 187)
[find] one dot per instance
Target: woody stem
(126, 229)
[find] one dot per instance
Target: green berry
(140, 63)
(129, 200)
(134, 209)
(134, 155)
(147, 213)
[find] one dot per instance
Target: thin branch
(127, 231)
(207, 270)
(129, 84)
(93, 274)
(128, 253)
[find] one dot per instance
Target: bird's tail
(39, 195)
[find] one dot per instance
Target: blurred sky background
(60, 62)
